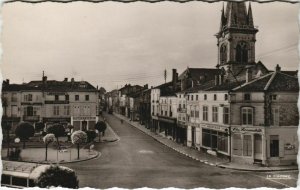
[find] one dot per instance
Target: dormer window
(247, 97)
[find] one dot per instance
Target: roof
(51, 85)
(291, 73)
(197, 73)
(272, 82)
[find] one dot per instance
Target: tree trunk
(99, 136)
(24, 144)
(46, 152)
(78, 151)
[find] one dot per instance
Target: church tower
(236, 37)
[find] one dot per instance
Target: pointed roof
(250, 17)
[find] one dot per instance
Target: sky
(111, 44)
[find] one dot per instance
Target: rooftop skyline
(134, 42)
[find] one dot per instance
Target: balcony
(31, 118)
(56, 101)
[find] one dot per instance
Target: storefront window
(247, 145)
(222, 142)
(206, 138)
(237, 145)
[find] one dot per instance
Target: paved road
(137, 160)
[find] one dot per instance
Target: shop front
(168, 126)
(48, 121)
(84, 123)
(248, 144)
(215, 139)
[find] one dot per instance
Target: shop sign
(84, 118)
(247, 129)
(214, 127)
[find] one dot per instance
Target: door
(257, 147)
(193, 137)
(274, 146)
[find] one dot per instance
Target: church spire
(236, 14)
(223, 19)
(250, 17)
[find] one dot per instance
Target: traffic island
(37, 155)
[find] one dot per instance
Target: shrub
(57, 176)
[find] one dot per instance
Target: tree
(58, 130)
(91, 135)
(101, 127)
(78, 137)
(24, 131)
(49, 138)
(57, 176)
(6, 127)
(39, 126)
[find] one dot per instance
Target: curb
(220, 165)
(98, 154)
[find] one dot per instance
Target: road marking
(285, 185)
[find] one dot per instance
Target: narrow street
(137, 160)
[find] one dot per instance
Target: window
(162, 112)
(205, 113)
(66, 110)
(223, 53)
(205, 97)
(192, 113)
(247, 145)
(222, 142)
(18, 181)
(76, 110)
(14, 97)
(225, 115)
(215, 114)
(247, 116)
(192, 97)
(188, 97)
(196, 112)
(87, 97)
(86, 110)
(247, 97)
(28, 97)
(5, 179)
(55, 110)
(28, 111)
(197, 97)
(14, 111)
(166, 113)
(226, 97)
(215, 97)
(241, 52)
(56, 97)
(183, 106)
(67, 97)
(76, 97)
(275, 116)
(206, 138)
(274, 146)
(273, 97)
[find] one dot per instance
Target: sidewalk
(203, 157)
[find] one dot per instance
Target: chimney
(216, 80)
(66, 80)
(174, 78)
(146, 86)
(248, 75)
(72, 79)
(277, 68)
(7, 81)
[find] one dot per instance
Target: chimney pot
(66, 79)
